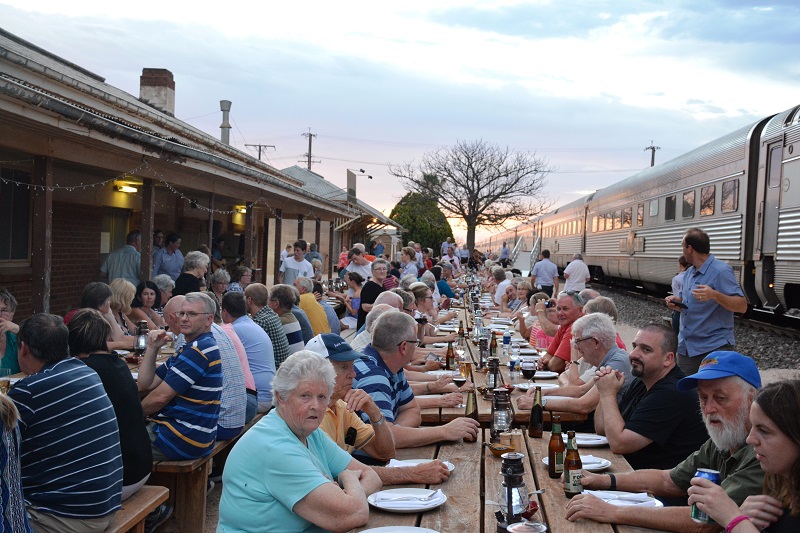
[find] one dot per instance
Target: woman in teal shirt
(8, 332)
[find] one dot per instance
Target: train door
(772, 200)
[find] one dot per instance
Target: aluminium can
(713, 476)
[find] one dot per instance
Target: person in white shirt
(359, 263)
(499, 275)
(576, 274)
(295, 266)
(452, 258)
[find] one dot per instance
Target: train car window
(688, 204)
(594, 224)
(707, 197)
(730, 196)
(640, 215)
(654, 208)
(775, 154)
(627, 216)
(617, 219)
(601, 222)
(669, 208)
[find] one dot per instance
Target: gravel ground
(769, 349)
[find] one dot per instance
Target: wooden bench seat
(187, 481)
(136, 508)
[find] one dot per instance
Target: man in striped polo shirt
(184, 393)
(71, 459)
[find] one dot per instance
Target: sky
(585, 84)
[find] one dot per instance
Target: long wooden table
(474, 485)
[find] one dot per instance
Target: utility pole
(308, 154)
(259, 147)
(652, 153)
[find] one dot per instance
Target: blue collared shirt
(707, 325)
(167, 263)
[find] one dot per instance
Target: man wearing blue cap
(726, 384)
(346, 428)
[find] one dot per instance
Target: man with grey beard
(726, 384)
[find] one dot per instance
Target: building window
(654, 208)
(669, 208)
(730, 196)
(640, 215)
(627, 216)
(15, 216)
(688, 204)
(707, 200)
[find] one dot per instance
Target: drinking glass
(459, 379)
(528, 368)
(5, 384)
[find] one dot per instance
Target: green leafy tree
(425, 222)
(480, 183)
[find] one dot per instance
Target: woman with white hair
(285, 474)
(195, 266)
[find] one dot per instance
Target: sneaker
(160, 515)
(216, 478)
(210, 486)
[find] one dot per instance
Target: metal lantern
(501, 413)
(513, 494)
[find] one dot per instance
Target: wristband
(380, 421)
(735, 522)
(613, 485)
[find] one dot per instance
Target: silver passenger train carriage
(742, 189)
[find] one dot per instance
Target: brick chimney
(157, 88)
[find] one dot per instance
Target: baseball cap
(333, 347)
(723, 364)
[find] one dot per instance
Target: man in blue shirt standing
(546, 274)
(124, 263)
(70, 454)
(709, 296)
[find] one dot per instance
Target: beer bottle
(537, 415)
(573, 468)
(471, 411)
(493, 345)
(461, 333)
(450, 358)
(555, 450)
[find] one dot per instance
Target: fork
(427, 498)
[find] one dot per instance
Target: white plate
(413, 462)
(590, 440)
(528, 351)
(440, 372)
(526, 386)
(617, 497)
(439, 345)
(409, 506)
(545, 374)
(598, 465)
(121, 352)
(400, 529)
(135, 375)
(447, 328)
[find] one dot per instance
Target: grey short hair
(208, 303)
(488, 263)
(375, 314)
(194, 259)
(498, 273)
(428, 279)
(379, 262)
(407, 297)
(577, 256)
(8, 299)
(407, 281)
(164, 283)
(601, 304)
(284, 295)
(391, 329)
(599, 326)
(220, 276)
(306, 283)
(304, 365)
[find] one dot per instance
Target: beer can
(713, 476)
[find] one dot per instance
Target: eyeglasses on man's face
(414, 342)
(190, 314)
(578, 341)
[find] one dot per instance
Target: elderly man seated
(183, 394)
(344, 426)
(594, 337)
(569, 308)
(726, 385)
(380, 373)
(285, 474)
(71, 461)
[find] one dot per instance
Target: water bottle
(506, 342)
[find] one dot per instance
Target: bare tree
(480, 183)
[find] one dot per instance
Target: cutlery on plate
(433, 495)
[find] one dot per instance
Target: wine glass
(528, 368)
(459, 380)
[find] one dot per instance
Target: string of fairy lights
(144, 166)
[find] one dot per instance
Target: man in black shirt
(654, 425)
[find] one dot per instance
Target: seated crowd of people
(81, 433)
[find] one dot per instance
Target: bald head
(173, 306)
(389, 298)
(376, 312)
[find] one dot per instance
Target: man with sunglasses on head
(569, 308)
(183, 394)
(380, 374)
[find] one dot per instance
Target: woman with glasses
(219, 283)
(240, 279)
(8, 332)
(425, 313)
